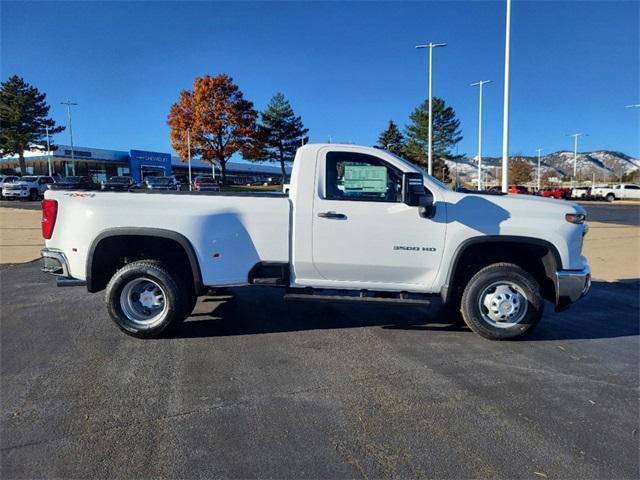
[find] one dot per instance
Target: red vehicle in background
(521, 189)
(556, 192)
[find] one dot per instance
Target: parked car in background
(31, 187)
(183, 181)
(495, 191)
(120, 183)
(76, 182)
(161, 183)
(521, 189)
(7, 179)
(552, 192)
(581, 192)
(617, 192)
(205, 184)
(556, 192)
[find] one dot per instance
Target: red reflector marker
(49, 214)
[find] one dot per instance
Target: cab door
(364, 235)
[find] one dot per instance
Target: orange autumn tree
(219, 120)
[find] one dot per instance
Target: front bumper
(15, 193)
(55, 262)
(571, 286)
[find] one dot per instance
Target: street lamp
(505, 111)
(431, 46)
(189, 156)
(69, 104)
(539, 158)
(480, 84)
(575, 154)
(635, 105)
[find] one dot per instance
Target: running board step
(398, 300)
(274, 281)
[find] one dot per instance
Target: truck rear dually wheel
(502, 301)
(144, 300)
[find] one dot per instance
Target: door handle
(333, 215)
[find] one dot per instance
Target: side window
(361, 177)
(632, 187)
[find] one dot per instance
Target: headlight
(577, 218)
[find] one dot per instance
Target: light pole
(505, 111)
(480, 84)
(539, 158)
(46, 129)
(430, 46)
(575, 154)
(69, 104)
(189, 155)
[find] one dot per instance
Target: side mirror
(415, 195)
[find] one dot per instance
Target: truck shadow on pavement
(610, 310)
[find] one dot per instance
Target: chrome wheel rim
(143, 303)
(503, 304)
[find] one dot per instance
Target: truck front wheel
(502, 301)
(144, 300)
(610, 197)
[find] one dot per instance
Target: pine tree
(392, 139)
(281, 132)
(446, 133)
(23, 118)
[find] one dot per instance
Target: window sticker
(364, 179)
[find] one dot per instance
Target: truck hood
(523, 209)
(19, 183)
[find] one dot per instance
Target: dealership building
(102, 164)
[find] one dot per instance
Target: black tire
(521, 296)
(33, 195)
(610, 197)
(141, 273)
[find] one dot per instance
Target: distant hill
(602, 163)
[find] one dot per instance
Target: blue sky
(347, 68)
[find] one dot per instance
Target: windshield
(28, 179)
(424, 174)
(119, 179)
(160, 180)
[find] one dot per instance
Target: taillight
(49, 214)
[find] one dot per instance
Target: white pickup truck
(358, 225)
(31, 187)
(622, 191)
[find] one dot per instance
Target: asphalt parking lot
(251, 386)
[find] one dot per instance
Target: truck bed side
(228, 234)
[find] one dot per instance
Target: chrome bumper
(55, 262)
(571, 286)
